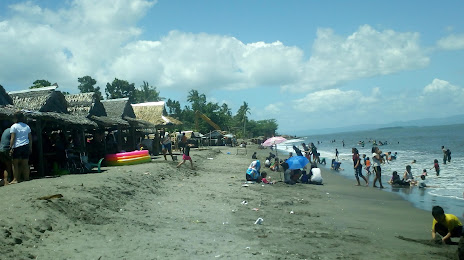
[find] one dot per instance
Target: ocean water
(422, 144)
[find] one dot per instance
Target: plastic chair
(90, 165)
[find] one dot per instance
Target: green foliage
(146, 93)
(173, 108)
(40, 83)
(87, 84)
(120, 89)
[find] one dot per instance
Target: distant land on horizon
(451, 120)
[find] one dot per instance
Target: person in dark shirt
(186, 156)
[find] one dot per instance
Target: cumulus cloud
(443, 93)
(61, 45)
(334, 100)
(101, 39)
(365, 53)
(452, 42)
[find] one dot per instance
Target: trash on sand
(244, 202)
(55, 196)
(210, 158)
(291, 212)
(245, 185)
(259, 221)
(255, 209)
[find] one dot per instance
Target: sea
(422, 144)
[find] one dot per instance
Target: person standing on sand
(20, 148)
(186, 156)
(5, 158)
(358, 167)
(166, 145)
(376, 161)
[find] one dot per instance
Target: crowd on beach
(446, 225)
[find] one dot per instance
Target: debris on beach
(54, 196)
(259, 221)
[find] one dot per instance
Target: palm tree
(242, 115)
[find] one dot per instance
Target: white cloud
(100, 39)
(273, 109)
(334, 100)
(61, 45)
(365, 53)
(444, 94)
(452, 42)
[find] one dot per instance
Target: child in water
(367, 162)
(436, 166)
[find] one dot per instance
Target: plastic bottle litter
(259, 221)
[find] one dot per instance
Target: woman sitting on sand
(253, 171)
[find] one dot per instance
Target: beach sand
(156, 211)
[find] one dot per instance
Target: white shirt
(316, 177)
(375, 161)
(21, 131)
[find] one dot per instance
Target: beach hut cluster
(80, 124)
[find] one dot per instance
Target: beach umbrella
(297, 162)
(274, 140)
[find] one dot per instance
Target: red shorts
(186, 157)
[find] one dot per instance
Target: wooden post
(39, 129)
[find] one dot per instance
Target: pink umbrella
(274, 140)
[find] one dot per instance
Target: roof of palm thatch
(5, 99)
(61, 118)
(119, 107)
(7, 112)
(85, 104)
(155, 113)
(122, 108)
(40, 99)
(90, 106)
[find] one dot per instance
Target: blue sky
(308, 64)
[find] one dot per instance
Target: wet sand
(156, 211)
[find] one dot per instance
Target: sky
(308, 64)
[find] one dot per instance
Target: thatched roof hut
(49, 105)
(85, 104)
(121, 108)
(89, 105)
(5, 99)
(155, 113)
(40, 99)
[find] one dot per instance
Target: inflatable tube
(123, 157)
(139, 153)
(130, 161)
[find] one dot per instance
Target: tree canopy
(146, 93)
(120, 89)
(220, 115)
(87, 84)
(40, 83)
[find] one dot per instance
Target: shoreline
(155, 211)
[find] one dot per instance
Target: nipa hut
(155, 113)
(89, 105)
(6, 105)
(121, 108)
(46, 111)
